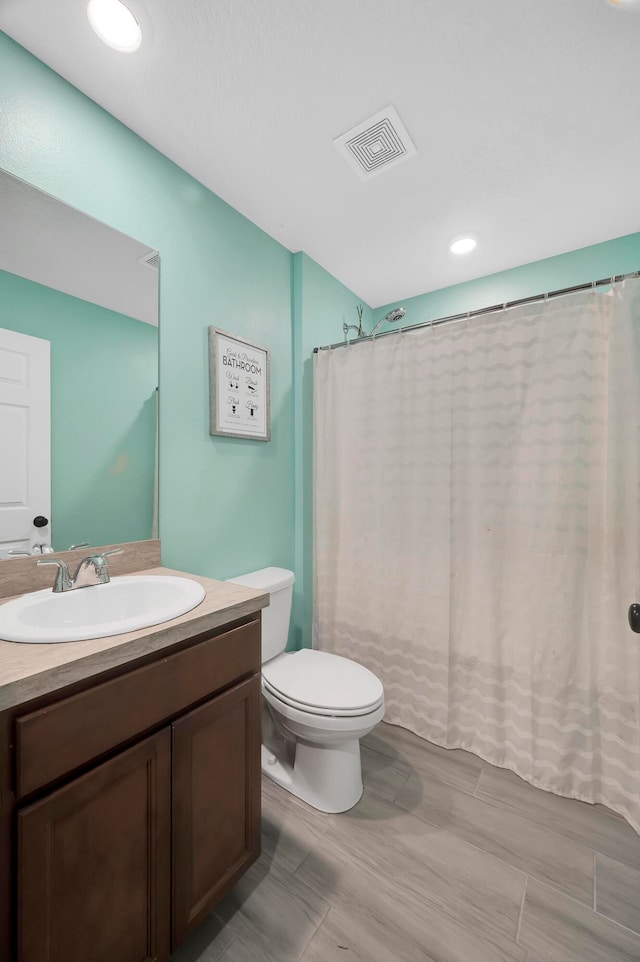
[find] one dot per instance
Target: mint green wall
(619, 256)
(226, 506)
(104, 373)
(321, 305)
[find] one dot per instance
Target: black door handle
(634, 617)
(40, 521)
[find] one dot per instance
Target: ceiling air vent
(151, 259)
(377, 144)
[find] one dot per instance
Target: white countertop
(28, 671)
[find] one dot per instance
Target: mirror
(78, 378)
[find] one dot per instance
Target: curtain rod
(466, 315)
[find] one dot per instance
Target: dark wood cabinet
(131, 805)
(216, 801)
(94, 863)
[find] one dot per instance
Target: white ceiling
(523, 112)
(54, 244)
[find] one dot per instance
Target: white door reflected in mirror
(25, 442)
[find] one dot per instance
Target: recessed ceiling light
(463, 245)
(625, 4)
(115, 24)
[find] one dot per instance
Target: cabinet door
(216, 801)
(94, 863)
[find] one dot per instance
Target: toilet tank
(275, 619)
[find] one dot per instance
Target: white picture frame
(239, 387)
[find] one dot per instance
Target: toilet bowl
(316, 707)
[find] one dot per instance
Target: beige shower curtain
(477, 534)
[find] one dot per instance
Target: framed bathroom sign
(239, 387)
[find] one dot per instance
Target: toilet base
(327, 778)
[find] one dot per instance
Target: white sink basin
(125, 604)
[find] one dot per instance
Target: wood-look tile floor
(444, 859)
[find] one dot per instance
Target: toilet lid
(320, 680)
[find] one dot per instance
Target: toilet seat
(285, 703)
(320, 683)
(326, 726)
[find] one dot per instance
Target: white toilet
(316, 707)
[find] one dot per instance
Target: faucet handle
(99, 557)
(107, 554)
(63, 579)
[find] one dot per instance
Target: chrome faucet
(92, 570)
(43, 548)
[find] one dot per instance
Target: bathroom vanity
(129, 782)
